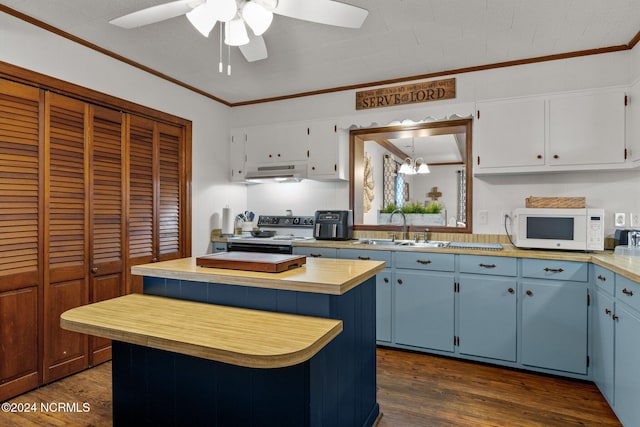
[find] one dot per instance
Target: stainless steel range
(286, 229)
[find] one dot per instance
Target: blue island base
(335, 388)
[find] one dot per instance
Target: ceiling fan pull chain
(228, 60)
(220, 67)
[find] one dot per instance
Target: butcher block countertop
(237, 336)
(318, 275)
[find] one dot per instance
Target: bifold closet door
(106, 201)
(66, 227)
(20, 237)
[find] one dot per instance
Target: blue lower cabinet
(602, 336)
(627, 371)
(554, 325)
(423, 309)
(487, 310)
(383, 306)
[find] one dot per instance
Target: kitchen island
(332, 381)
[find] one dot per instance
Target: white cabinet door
(509, 134)
(633, 123)
(587, 129)
(260, 144)
(237, 155)
(328, 148)
(292, 143)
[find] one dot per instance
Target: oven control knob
(296, 220)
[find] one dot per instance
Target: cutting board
(251, 261)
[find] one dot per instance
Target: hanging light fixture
(411, 166)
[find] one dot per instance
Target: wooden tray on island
(252, 261)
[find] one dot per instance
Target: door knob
(528, 292)
(510, 290)
(94, 270)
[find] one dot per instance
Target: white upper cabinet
(564, 132)
(292, 144)
(587, 129)
(260, 144)
(276, 144)
(509, 134)
(633, 123)
(237, 155)
(328, 151)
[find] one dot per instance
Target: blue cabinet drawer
(424, 261)
(494, 265)
(315, 252)
(555, 270)
(373, 255)
(604, 279)
(628, 292)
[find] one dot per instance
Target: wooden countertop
(238, 336)
(326, 276)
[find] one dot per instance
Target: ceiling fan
(257, 14)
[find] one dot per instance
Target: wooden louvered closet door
(155, 166)
(20, 205)
(170, 139)
(106, 215)
(66, 233)
(142, 223)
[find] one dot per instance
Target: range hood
(281, 173)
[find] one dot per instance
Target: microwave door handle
(317, 229)
(334, 230)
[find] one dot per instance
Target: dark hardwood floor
(413, 390)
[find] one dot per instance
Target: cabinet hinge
(307, 153)
(478, 114)
(626, 100)
(456, 287)
(625, 154)
(335, 128)
(308, 131)
(456, 341)
(588, 361)
(588, 299)
(478, 160)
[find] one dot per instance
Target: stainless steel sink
(389, 242)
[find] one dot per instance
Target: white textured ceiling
(399, 38)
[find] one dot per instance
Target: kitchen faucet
(404, 222)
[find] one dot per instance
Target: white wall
(614, 191)
(32, 48)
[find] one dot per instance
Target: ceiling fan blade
(327, 12)
(255, 50)
(155, 14)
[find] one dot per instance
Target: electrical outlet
(634, 220)
(504, 215)
(483, 217)
(620, 219)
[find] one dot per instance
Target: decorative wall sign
(434, 194)
(436, 90)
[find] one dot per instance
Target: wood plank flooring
(414, 390)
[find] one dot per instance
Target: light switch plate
(620, 219)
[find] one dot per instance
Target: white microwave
(569, 229)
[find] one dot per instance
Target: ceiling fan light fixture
(203, 18)
(257, 17)
(235, 33)
(226, 9)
